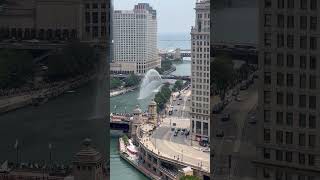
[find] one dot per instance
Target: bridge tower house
(152, 111)
(135, 121)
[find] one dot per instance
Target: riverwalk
(122, 91)
(13, 102)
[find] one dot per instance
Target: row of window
(303, 80)
(291, 4)
(281, 175)
(290, 59)
(197, 128)
(95, 6)
(289, 138)
(290, 41)
(290, 23)
(287, 118)
(302, 99)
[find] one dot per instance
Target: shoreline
(41, 96)
(123, 91)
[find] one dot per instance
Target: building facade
(135, 40)
(200, 72)
(84, 20)
(288, 127)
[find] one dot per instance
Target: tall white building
(135, 40)
(200, 69)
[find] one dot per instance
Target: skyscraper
(200, 72)
(135, 40)
(288, 140)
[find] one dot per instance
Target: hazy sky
(174, 16)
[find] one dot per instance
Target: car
(220, 133)
(203, 143)
(182, 132)
(235, 92)
(206, 150)
(180, 99)
(175, 109)
(175, 134)
(173, 129)
(238, 99)
(179, 129)
(225, 117)
(189, 99)
(178, 104)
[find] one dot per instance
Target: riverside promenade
(13, 101)
(118, 92)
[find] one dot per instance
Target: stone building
(152, 113)
(84, 20)
(288, 128)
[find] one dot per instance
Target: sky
(174, 16)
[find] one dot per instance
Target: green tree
(222, 73)
(188, 177)
(115, 83)
(74, 59)
(162, 97)
(16, 68)
(178, 85)
(132, 80)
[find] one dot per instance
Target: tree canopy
(16, 68)
(162, 97)
(178, 85)
(132, 80)
(222, 73)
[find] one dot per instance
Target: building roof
(137, 110)
(88, 153)
(153, 103)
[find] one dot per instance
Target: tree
(222, 74)
(132, 80)
(74, 59)
(16, 68)
(178, 85)
(162, 97)
(188, 177)
(115, 83)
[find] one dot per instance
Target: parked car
(175, 133)
(173, 129)
(203, 143)
(225, 117)
(235, 92)
(238, 99)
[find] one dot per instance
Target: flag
(16, 144)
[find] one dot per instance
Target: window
(266, 153)
(279, 175)
(303, 79)
(313, 4)
(290, 41)
(312, 140)
(289, 156)
(303, 22)
(289, 118)
(280, 20)
(267, 97)
(290, 22)
(290, 60)
(311, 159)
(289, 137)
(267, 39)
(94, 6)
(95, 17)
(313, 22)
(289, 99)
(280, 78)
(302, 101)
(312, 82)
(267, 58)
(279, 155)
(313, 43)
(313, 62)
(279, 118)
(267, 115)
(279, 98)
(280, 40)
(302, 120)
(279, 137)
(280, 60)
(303, 4)
(280, 4)
(302, 139)
(267, 77)
(267, 3)
(303, 62)
(290, 4)
(312, 102)
(267, 20)
(302, 158)
(289, 80)
(303, 42)
(266, 135)
(312, 122)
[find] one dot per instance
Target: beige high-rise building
(288, 145)
(200, 72)
(135, 40)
